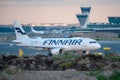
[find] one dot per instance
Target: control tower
(83, 18)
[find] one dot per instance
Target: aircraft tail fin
(38, 32)
(32, 29)
(20, 33)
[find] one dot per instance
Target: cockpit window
(91, 42)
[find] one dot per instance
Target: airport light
(106, 48)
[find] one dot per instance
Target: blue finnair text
(63, 42)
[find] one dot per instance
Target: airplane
(43, 32)
(54, 45)
(37, 32)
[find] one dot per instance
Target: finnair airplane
(37, 32)
(54, 45)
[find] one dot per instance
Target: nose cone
(98, 46)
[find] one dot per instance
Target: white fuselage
(63, 43)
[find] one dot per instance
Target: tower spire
(83, 18)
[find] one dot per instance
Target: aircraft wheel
(61, 52)
(83, 52)
(50, 54)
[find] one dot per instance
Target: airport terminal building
(113, 24)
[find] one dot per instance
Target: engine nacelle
(56, 51)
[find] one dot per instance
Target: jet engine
(56, 51)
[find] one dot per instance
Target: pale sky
(55, 11)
